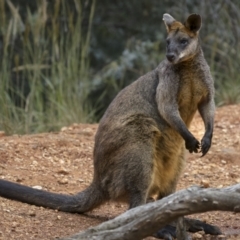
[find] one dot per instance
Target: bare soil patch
(62, 162)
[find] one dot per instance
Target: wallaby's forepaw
(167, 233)
(205, 145)
(194, 225)
(192, 145)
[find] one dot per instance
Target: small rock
(194, 172)
(32, 213)
(197, 236)
(38, 187)
(63, 181)
(19, 179)
(87, 132)
(205, 183)
(221, 236)
(233, 175)
(59, 217)
(238, 180)
(63, 171)
(63, 129)
(15, 224)
(35, 162)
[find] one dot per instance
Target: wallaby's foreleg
(171, 114)
(206, 109)
(169, 110)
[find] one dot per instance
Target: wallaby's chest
(192, 89)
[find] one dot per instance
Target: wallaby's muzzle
(171, 57)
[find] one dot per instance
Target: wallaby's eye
(184, 41)
(168, 41)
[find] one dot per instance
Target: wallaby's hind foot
(192, 225)
(166, 233)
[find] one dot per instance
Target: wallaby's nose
(171, 57)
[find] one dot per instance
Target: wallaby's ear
(193, 22)
(168, 20)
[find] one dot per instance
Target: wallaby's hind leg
(138, 196)
(137, 199)
(139, 175)
(192, 225)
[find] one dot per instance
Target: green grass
(45, 73)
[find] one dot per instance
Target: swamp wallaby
(141, 139)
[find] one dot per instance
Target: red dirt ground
(62, 162)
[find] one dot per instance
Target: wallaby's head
(182, 39)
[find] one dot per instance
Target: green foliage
(45, 68)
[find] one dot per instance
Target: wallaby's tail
(79, 203)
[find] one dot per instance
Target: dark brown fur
(141, 139)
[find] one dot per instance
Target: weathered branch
(145, 220)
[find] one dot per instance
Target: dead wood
(145, 220)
